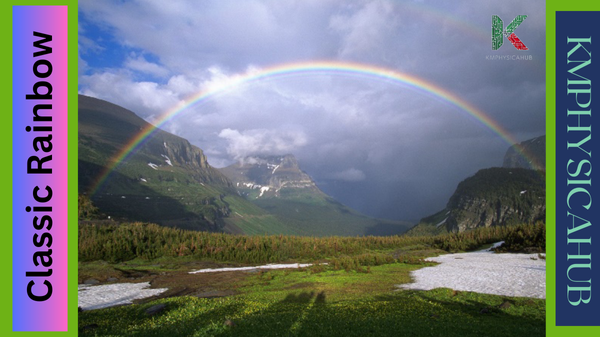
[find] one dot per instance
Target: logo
(498, 32)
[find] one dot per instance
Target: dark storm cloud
(383, 148)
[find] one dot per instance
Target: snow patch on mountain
(263, 190)
(167, 160)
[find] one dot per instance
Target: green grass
(355, 295)
(329, 303)
(102, 270)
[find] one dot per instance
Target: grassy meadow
(354, 294)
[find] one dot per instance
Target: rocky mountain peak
(268, 175)
(183, 153)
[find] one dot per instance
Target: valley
(153, 211)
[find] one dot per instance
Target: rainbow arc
(311, 69)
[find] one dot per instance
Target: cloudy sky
(379, 146)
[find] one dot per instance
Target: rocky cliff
(270, 176)
(492, 197)
(497, 197)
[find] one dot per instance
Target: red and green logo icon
(498, 32)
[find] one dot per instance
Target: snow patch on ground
(485, 272)
(144, 180)
(108, 295)
(441, 222)
(154, 166)
(267, 266)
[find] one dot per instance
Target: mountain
(272, 176)
(536, 152)
(497, 197)
(166, 180)
(278, 185)
(492, 197)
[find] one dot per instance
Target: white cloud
(147, 99)
(260, 142)
(139, 63)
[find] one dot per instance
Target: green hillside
(166, 180)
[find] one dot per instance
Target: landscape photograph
(311, 168)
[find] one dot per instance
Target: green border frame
(6, 168)
(552, 6)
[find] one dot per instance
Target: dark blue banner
(577, 228)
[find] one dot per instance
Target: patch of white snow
(485, 272)
(108, 295)
(167, 160)
(262, 191)
(441, 222)
(267, 266)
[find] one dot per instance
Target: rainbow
(303, 69)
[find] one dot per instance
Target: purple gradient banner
(40, 68)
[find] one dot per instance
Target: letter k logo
(498, 32)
